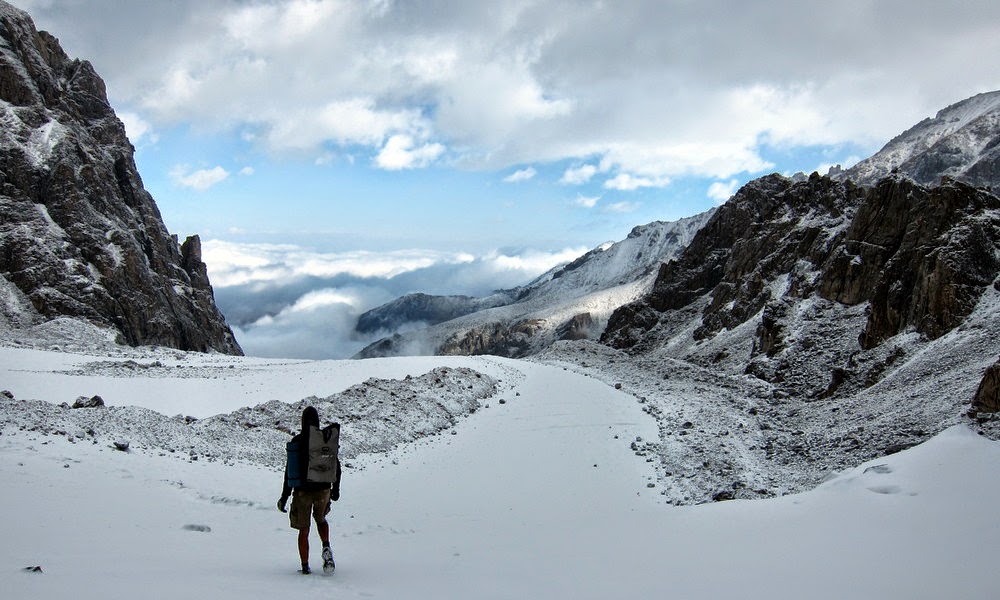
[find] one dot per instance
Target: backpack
(317, 463)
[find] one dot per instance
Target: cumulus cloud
(137, 128)
(628, 182)
(586, 201)
(645, 88)
(402, 152)
(233, 263)
(521, 175)
(720, 191)
(578, 175)
(199, 180)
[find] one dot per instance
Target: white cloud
(721, 191)
(200, 180)
(626, 182)
(532, 261)
(578, 175)
(402, 152)
(318, 324)
(521, 175)
(586, 201)
(246, 171)
(319, 299)
(345, 122)
(233, 263)
(626, 84)
(136, 127)
(622, 207)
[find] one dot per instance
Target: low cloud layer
(290, 301)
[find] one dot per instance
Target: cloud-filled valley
(287, 300)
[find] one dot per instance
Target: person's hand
(281, 504)
(328, 504)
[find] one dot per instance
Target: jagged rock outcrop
(922, 257)
(498, 339)
(79, 235)
(579, 327)
(988, 395)
(765, 232)
(786, 254)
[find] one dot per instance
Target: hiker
(311, 492)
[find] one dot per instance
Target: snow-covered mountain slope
(962, 141)
(820, 322)
(420, 310)
(539, 496)
(572, 301)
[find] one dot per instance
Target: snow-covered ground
(534, 493)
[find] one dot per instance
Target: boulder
(987, 397)
(92, 402)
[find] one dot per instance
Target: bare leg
(324, 532)
(304, 545)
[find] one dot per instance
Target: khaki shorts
(308, 504)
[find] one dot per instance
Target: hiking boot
(328, 564)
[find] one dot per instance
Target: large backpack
(320, 459)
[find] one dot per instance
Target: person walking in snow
(312, 479)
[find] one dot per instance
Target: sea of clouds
(285, 300)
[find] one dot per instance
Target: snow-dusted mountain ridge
(572, 301)
(962, 141)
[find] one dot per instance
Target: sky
(325, 149)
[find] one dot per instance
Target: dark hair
(309, 417)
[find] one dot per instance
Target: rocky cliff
(810, 326)
(915, 259)
(79, 235)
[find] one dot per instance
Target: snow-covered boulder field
(469, 477)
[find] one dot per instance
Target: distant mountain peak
(962, 142)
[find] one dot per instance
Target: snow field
(510, 506)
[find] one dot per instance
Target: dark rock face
(920, 258)
(79, 236)
(764, 232)
(579, 327)
(498, 339)
(988, 395)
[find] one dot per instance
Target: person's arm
(335, 493)
(285, 491)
